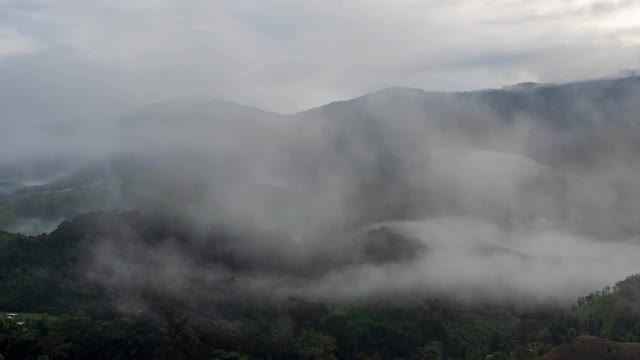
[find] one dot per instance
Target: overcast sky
(289, 55)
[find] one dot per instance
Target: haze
(287, 56)
(521, 192)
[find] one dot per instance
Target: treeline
(628, 289)
(299, 329)
(295, 330)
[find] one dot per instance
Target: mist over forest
(321, 180)
(524, 192)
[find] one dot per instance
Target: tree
(53, 346)
(431, 351)
(312, 345)
(229, 355)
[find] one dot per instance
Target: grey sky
(289, 55)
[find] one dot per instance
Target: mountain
(194, 123)
(412, 153)
(594, 348)
(391, 155)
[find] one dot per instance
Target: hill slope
(394, 154)
(595, 348)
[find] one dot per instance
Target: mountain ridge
(390, 90)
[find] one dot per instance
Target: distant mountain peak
(525, 85)
(203, 102)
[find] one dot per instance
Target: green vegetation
(5, 236)
(602, 306)
(41, 275)
(7, 218)
(60, 204)
(591, 347)
(37, 316)
(612, 313)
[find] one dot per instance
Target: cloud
(612, 6)
(13, 42)
(285, 55)
(21, 5)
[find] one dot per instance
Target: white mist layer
(475, 261)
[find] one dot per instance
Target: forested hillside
(71, 305)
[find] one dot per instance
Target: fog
(520, 193)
